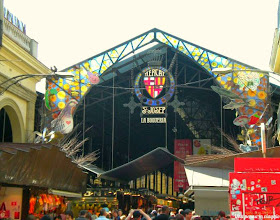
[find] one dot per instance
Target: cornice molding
(29, 64)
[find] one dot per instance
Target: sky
(69, 31)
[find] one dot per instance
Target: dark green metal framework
(207, 59)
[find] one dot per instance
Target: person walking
(164, 213)
(69, 215)
(115, 215)
(103, 214)
(187, 213)
(221, 215)
(82, 215)
(179, 217)
(137, 214)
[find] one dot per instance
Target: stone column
(33, 48)
(1, 20)
(30, 115)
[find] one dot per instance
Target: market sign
(182, 148)
(149, 112)
(154, 87)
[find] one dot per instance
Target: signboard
(159, 87)
(10, 202)
(257, 164)
(255, 196)
(202, 146)
(182, 147)
(254, 189)
(149, 113)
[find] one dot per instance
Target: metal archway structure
(250, 86)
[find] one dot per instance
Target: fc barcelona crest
(159, 86)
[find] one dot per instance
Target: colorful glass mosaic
(250, 86)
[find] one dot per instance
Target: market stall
(37, 179)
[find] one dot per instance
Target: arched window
(6, 134)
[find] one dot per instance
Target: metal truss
(103, 62)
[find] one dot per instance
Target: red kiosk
(254, 189)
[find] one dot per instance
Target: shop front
(209, 180)
(36, 179)
(94, 199)
(10, 202)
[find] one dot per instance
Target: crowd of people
(163, 213)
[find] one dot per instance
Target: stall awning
(41, 165)
(154, 160)
(226, 161)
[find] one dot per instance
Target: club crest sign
(154, 87)
(155, 80)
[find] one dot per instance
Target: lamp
(65, 193)
(17, 79)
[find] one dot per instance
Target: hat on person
(186, 212)
(136, 214)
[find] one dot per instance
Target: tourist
(137, 214)
(69, 215)
(109, 215)
(164, 213)
(180, 211)
(120, 213)
(179, 217)
(115, 215)
(103, 214)
(82, 215)
(153, 214)
(221, 215)
(93, 216)
(88, 215)
(187, 214)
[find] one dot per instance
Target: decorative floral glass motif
(248, 80)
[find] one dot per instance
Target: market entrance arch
(253, 89)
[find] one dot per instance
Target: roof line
(109, 49)
(203, 48)
(156, 40)
(140, 158)
(227, 156)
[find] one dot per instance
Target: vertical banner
(182, 148)
(201, 146)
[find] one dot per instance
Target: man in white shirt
(102, 215)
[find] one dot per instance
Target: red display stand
(255, 189)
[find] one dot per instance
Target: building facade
(18, 56)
